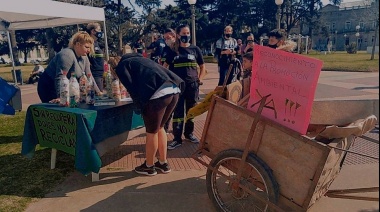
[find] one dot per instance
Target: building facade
(352, 22)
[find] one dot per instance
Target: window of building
(347, 26)
(38, 53)
(333, 27)
(362, 25)
(373, 24)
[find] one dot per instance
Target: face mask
(185, 38)
(228, 35)
(99, 34)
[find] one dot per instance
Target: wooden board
(303, 168)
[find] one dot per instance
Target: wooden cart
(259, 165)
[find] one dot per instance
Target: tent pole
(11, 53)
(105, 41)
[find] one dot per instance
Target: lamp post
(357, 34)
(192, 3)
(278, 3)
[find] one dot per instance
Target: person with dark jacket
(157, 46)
(96, 58)
(155, 90)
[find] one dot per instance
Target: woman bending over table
(155, 90)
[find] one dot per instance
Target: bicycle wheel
(257, 179)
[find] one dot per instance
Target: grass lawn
(340, 61)
(25, 180)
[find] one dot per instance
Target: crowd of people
(164, 86)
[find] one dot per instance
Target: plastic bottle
(123, 91)
(116, 90)
(64, 90)
(74, 91)
(109, 84)
(82, 88)
(90, 90)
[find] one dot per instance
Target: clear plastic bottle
(64, 90)
(123, 91)
(90, 90)
(109, 84)
(74, 91)
(116, 90)
(83, 88)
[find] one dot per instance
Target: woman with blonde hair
(72, 60)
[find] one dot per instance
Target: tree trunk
(50, 49)
(374, 41)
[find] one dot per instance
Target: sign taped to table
(290, 79)
(55, 129)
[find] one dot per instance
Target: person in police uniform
(184, 59)
(96, 57)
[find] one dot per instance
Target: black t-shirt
(185, 63)
(97, 61)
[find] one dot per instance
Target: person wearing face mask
(71, 60)
(184, 59)
(250, 44)
(96, 57)
(157, 46)
(277, 40)
(225, 50)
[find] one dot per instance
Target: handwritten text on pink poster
(291, 80)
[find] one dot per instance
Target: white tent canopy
(36, 14)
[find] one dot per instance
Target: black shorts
(157, 112)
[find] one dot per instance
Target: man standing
(139, 46)
(157, 46)
(96, 57)
(226, 48)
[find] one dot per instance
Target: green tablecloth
(77, 130)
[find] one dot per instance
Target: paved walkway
(120, 189)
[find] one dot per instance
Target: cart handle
(353, 152)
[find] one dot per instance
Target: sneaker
(165, 168)
(192, 139)
(143, 169)
(174, 144)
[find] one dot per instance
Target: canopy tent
(36, 14)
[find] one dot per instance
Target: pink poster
(290, 79)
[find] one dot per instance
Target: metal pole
(11, 53)
(107, 57)
(278, 16)
(193, 25)
(307, 44)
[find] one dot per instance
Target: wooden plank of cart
(259, 165)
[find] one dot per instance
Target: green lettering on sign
(55, 129)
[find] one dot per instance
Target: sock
(162, 163)
(149, 165)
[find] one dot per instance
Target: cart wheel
(257, 178)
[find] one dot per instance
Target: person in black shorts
(155, 90)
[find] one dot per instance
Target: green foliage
(351, 49)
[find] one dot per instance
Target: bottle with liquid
(123, 91)
(109, 84)
(74, 91)
(64, 90)
(116, 90)
(83, 88)
(90, 90)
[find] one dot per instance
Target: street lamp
(192, 3)
(278, 3)
(357, 34)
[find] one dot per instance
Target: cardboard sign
(290, 79)
(55, 129)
